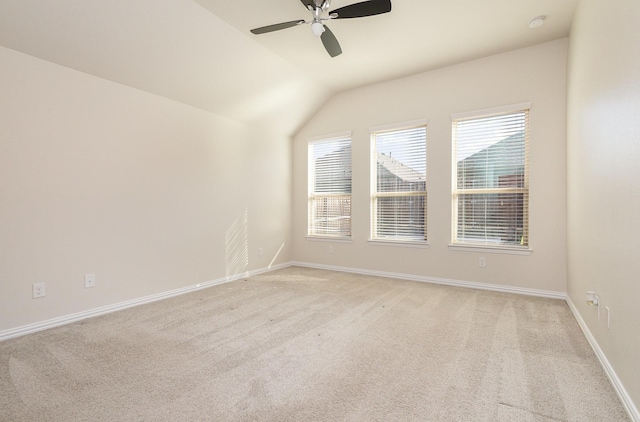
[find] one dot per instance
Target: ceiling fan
(318, 9)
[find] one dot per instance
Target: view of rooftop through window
(491, 195)
(330, 188)
(399, 197)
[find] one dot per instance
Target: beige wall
(536, 74)
(147, 193)
(603, 175)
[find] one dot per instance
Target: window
(399, 191)
(330, 188)
(491, 179)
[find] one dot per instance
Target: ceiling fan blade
(330, 42)
(308, 3)
(276, 27)
(360, 10)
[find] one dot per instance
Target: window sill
(489, 249)
(399, 243)
(342, 239)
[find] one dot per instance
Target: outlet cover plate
(39, 290)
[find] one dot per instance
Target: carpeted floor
(301, 344)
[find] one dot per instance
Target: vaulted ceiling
(201, 53)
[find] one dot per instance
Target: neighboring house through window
(399, 184)
(491, 178)
(330, 187)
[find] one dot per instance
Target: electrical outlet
(89, 281)
(260, 251)
(331, 249)
(482, 262)
(39, 290)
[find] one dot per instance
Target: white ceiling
(201, 53)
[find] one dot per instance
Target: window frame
(374, 239)
(480, 246)
(312, 231)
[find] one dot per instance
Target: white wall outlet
(331, 249)
(89, 281)
(39, 290)
(482, 262)
(260, 251)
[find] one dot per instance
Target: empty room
(319, 210)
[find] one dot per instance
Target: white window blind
(330, 188)
(491, 180)
(399, 193)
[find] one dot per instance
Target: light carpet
(302, 344)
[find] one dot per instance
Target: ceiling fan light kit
(317, 28)
(320, 15)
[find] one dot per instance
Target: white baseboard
(626, 400)
(611, 374)
(628, 404)
(68, 319)
(445, 281)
